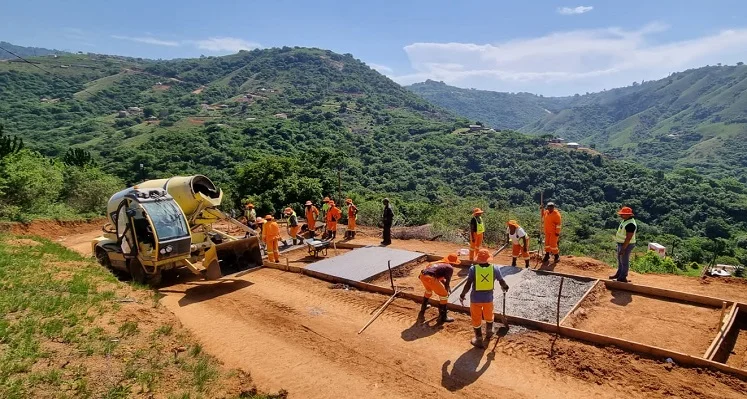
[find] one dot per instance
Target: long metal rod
(391, 278)
(379, 312)
(560, 291)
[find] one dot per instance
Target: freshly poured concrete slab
(365, 263)
(533, 295)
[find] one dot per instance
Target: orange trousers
(551, 243)
(475, 245)
(294, 231)
(273, 251)
(431, 285)
(331, 226)
(310, 221)
(351, 224)
(518, 249)
(480, 311)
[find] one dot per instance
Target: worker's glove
(504, 286)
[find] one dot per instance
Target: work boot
(488, 331)
(546, 258)
(557, 258)
(526, 263)
(513, 262)
(423, 307)
(442, 316)
(353, 233)
(477, 340)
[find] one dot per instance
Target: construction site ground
(298, 333)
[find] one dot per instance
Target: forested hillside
(691, 119)
(278, 125)
(24, 51)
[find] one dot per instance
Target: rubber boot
(423, 307)
(546, 258)
(353, 234)
(477, 340)
(443, 317)
(557, 258)
(488, 331)
(526, 263)
(513, 262)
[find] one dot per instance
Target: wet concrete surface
(534, 295)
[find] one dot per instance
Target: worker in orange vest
(293, 226)
(333, 215)
(551, 219)
(311, 214)
(271, 236)
(352, 215)
(476, 231)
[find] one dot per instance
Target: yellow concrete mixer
(165, 224)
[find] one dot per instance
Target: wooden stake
(287, 263)
(381, 310)
(557, 313)
(391, 279)
(720, 319)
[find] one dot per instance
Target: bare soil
(678, 326)
(738, 355)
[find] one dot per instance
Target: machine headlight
(166, 250)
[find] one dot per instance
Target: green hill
(278, 125)
(24, 51)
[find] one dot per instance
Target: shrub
(87, 189)
(652, 263)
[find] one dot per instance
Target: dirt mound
(52, 229)
(424, 232)
(584, 263)
(22, 242)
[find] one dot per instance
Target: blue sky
(541, 46)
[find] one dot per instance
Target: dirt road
(295, 332)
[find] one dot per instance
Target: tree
(148, 112)
(9, 145)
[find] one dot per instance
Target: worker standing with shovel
(481, 280)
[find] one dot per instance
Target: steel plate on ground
(364, 263)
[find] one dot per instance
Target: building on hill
(573, 145)
(477, 128)
(557, 140)
(281, 116)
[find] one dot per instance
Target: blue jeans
(623, 261)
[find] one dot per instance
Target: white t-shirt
(518, 233)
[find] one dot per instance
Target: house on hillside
(281, 116)
(557, 140)
(134, 110)
(475, 128)
(575, 146)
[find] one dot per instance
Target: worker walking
(519, 242)
(352, 216)
(476, 232)
(625, 239)
(551, 219)
(311, 213)
(481, 280)
(333, 215)
(271, 236)
(293, 226)
(436, 277)
(387, 220)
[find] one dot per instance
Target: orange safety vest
(552, 222)
(271, 231)
(333, 215)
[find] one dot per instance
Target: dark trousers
(387, 233)
(623, 261)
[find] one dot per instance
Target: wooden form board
(600, 339)
(726, 325)
(664, 293)
(583, 298)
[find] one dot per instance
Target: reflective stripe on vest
(484, 278)
(288, 219)
(621, 233)
(480, 224)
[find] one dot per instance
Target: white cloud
(574, 10)
(383, 69)
(148, 40)
(570, 62)
(220, 44)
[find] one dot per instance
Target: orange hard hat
(269, 217)
(349, 201)
(326, 199)
(483, 256)
(288, 210)
(452, 258)
(512, 223)
(308, 203)
(625, 211)
(250, 205)
(477, 211)
(260, 220)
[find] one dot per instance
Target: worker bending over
(333, 215)
(519, 241)
(625, 239)
(551, 219)
(476, 232)
(481, 280)
(352, 215)
(293, 226)
(437, 278)
(271, 236)
(311, 214)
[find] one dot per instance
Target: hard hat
(625, 211)
(349, 201)
(269, 218)
(477, 211)
(385, 200)
(550, 203)
(260, 220)
(331, 203)
(483, 256)
(452, 258)
(512, 223)
(288, 210)
(326, 199)
(250, 205)
(308, 203)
